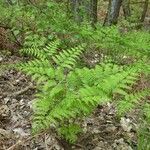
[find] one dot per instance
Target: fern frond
(70, 132)
(130, 101)
(35, 52)
(91, 77)
(42, 53)
(89, 98)
(40, 70)
(90, 88)
(146, 109)
(59, 112)
(67, 58)
(118, 82)
(51, 48)
(69, 107)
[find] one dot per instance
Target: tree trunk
(144, 11)
(113, 12)
(84, 10)
(9, 2)
(126, 9)
(94, 11)
(76, 10)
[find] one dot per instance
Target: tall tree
(84, 10)
(9, 2)
(126, 8)
(75, 10)
(93, 15)
(144, 10)
(113, 12)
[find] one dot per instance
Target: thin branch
(9, 28)
(20, 92)
(17, 41)
(4, 27)
(21, 142)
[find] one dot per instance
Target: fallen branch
(21, 142)
(17, 41)
(20, 92)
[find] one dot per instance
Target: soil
(102, 130)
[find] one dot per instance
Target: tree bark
(84, 10)
(76, 10)
(126, 9)
(144, 11)
(113, 12)
(94, 11)
(9, 2)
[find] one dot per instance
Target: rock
(111, 128)
(6, 100)
(95, 131)
(4, 134)
(1, 58)
(4, 112)
(126, 124)
(102, 146)
(121, 145)
(20, 131)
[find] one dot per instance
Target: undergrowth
(67, 93)
(68, 90)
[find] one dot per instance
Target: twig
(20, 92)
(19, 143)
(80, 146)
(4, 27)
(13, 147)
(17, 41)
(7, 82)
(46, 146)
(9, 28)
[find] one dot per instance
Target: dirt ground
(102, 130)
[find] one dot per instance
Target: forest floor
(102, 130)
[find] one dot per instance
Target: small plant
(70, 132)
(66, 93)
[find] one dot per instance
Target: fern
(72, 103)
(63, 91)
(34, 51)
(146, 109)
(118, 82)
(68, 95)
(51, 48)
(70, 132)
(67, 58)
(40, 70)
(130, 101)
(44, 53)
